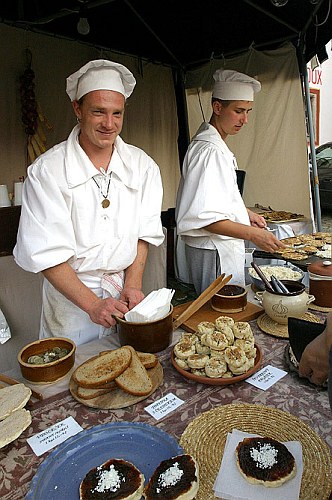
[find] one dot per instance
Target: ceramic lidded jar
(279, 307)
(320, 282)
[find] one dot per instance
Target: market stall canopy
(185, 33)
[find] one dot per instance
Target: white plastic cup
(4, 198)
(18, 186)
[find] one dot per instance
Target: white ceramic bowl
(258, 283)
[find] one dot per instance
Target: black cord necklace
(106, 202)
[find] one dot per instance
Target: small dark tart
(174, 478)
(115, 479)
(263, 460)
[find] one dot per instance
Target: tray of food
(218, 353)
(303, 249)
(116, 379)
(279, 216)
(80, 463)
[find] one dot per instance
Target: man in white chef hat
(212, 219)
(90, 207)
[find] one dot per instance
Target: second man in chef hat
(211, 217)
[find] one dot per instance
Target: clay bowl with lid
(51, 371)
(153, 336)
(230, 299)
(320, 282)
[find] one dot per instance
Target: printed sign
(266, 377)
(54, 435)
(164, 406)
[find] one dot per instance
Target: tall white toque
(100, 74)
(234, 86)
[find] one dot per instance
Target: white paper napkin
(231, 485)
(4, 329)
(154, 306)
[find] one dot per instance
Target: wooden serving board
(117, 398)
(206, 313)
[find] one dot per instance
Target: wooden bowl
(47, 372)
(154, 336)
(230, 299)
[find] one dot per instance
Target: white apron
(61, 318)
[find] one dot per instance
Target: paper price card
(266, 377)
(54, 435)
(164, 406)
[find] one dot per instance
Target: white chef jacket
(62, 220)
(208, 192)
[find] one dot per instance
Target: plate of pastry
(222, 352)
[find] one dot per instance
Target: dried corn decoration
(32, 117)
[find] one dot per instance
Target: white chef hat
(100, 74)
(234, 86)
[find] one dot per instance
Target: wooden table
(18, 463)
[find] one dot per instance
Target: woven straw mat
(205, 438)
(267, 325)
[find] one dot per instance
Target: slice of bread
(176, 478)
(13, 398)
(148, 359)
(100, 370)
(115, 478)
(135, 379)
(85, 393)
(13, 426)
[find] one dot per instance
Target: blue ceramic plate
(60, 474)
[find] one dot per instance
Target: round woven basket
(205, 439)
(267, 325)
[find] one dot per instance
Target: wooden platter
(118, 398)
(206, 313)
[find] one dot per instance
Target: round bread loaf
(113, 479)
(175, 479)
(266, 461)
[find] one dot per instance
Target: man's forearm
(230, 228)
(134, 273)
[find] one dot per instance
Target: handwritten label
(266, 377)
(164, 406)
(54, 435)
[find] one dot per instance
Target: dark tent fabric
(180, 33)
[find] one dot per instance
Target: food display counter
(290, 395)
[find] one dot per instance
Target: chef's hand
(314, 363)
(265, 240)
(256, 220)
(132, 296)
(102, 311)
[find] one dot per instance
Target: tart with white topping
(266, 461)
